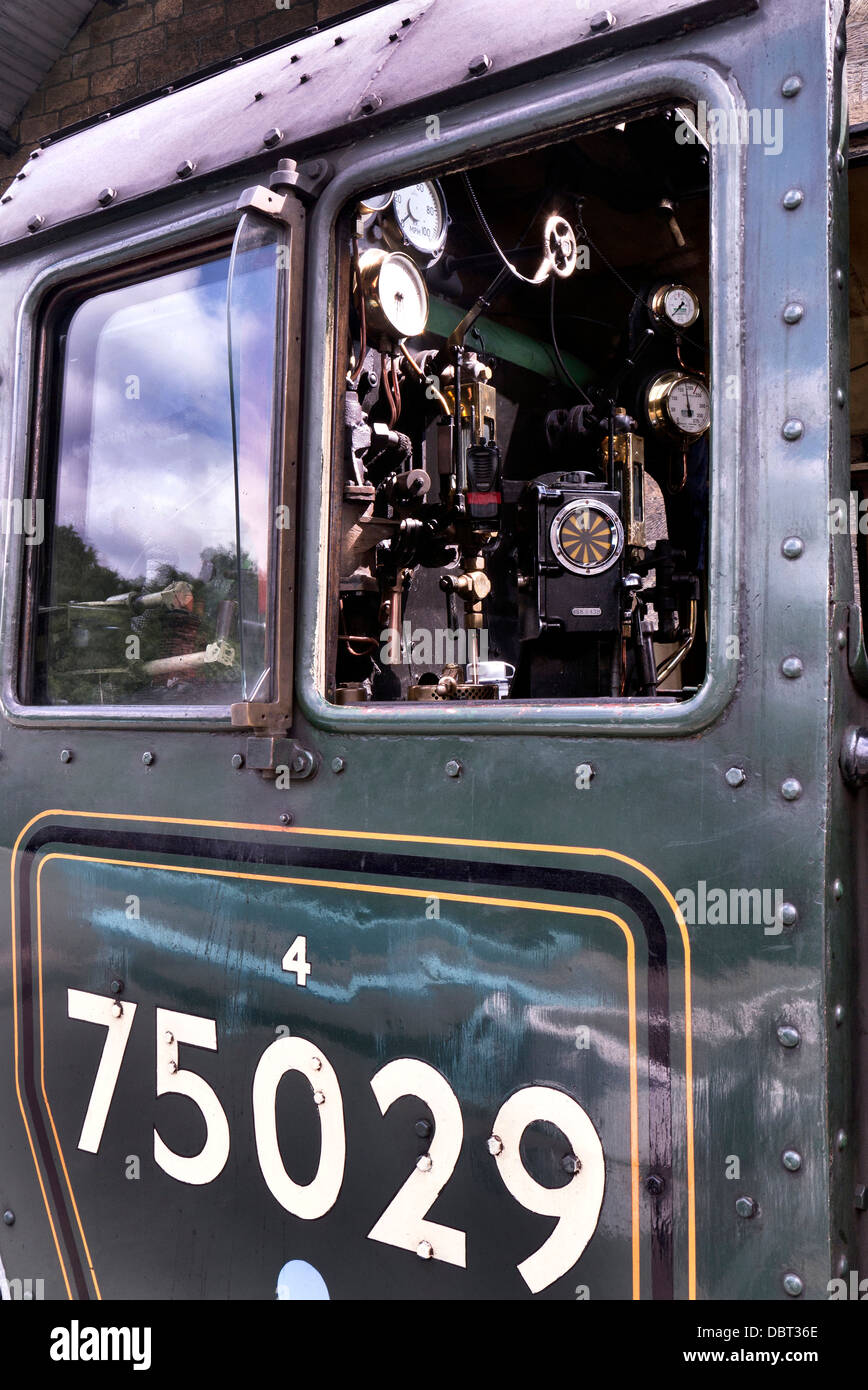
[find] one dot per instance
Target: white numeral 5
(209, 1162)
(117, 1018)
(402, 1223)
(578, 1204)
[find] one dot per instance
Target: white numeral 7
(117, 1018)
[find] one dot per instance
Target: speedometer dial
(417, 219)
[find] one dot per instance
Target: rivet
(788, 914)
(305, 77)
(425, 1250)
(746, 1207)
(318, 1098)
(393, 38)
(172, 1065)
(107, 196)
(7, 198)
(791, 789)
(794, 313)
(793, 1285)
(424, 1163)
(793, 198)
(338, 764)
(792, 430)
(788, 1036)
(371, 103)
(339, 38)
(9, 1218)
(571, 1164)
(295, 58)
(117, 986)
(272, 137)
(840, 162)
(791, 86)
(840, 397)
(791, 1160)
(185, 168)
(839, 1014)
(841, 639)
(843, 1267)
(839, 278)
(257, 96)
(285, 818)
(237, 760)
(495, 1145)
(423, 1128)
(793, 547)
(168, 1038)
(840, 45)
(601, 21)
(860, 1197)
(117, 1010)
(316, 1063)
(453, 768)
(36, 222)
(841, 1140)
(478, 65)
(66, 755)
(792, 668)
(838, 888)
(735, 776)
(654, 1185)
(147, 758)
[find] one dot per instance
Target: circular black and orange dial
(587, 536)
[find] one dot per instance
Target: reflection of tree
(86, 657)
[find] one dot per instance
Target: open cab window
(153, 585)
(522, 427)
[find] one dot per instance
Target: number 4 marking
(295, 960)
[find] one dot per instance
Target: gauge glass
(403, 296)
(421, 215)
(375, 202)
(688, 406)
(680, 306)
(587, 536)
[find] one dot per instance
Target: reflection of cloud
(146, 464)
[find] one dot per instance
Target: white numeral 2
(317, 1197)
(210, 1161)
(577, 1204)
(117, 1018)
(403, 1223)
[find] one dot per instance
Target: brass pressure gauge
(396, 297)
(586, 536)
(678, 405)
(374, 202)
(677, 304)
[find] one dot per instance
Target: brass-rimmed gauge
(586, 536)
(677, 304)
(678, 405)
(396, 297)
(375, 202)
(416, 221)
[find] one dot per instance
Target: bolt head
(746, 1207)
(735, 776)
(838, 888)
(654, 1185)
(66, 755)
(424, 1129)
(839, 1014)
(107, 196)
(840, 397)
(791, 86)
(792, 668)
(36, 222)
(839, 279)
(793, 547)
(117, 1010)
(338, 764)
(793, 1285)
(237, 760)
(792, 430)
(9, 1218)
(478, 65)
(793, 198)
(272, 137)
(147, 758)
(318, 1098)
(117, 986)
(601, 21)
(173, 1066)
(791, 1160)
(788, 1036)
(791, 789)
(571, 1164)
(424, 1163)
(495, 1145)
(185, 168)
(788, 914)
(316, 1063)
(371, 103)
(860, 1197)
(841, 1140)
(425, 1250)
(453, 768)
(168, 1037)
(794, 313)
(285, 818)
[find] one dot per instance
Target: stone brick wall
(121, 52)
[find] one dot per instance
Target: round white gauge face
(680, 306)
(403, 295)
(688, 405)
(420, 212)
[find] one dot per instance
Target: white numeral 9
(210, 1161)
(577, 1204)
(317, 1197)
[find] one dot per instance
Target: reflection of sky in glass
(146, 472)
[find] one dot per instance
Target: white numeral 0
(402, 1223)
(209, 1162)
(577, 1204)
(317, 1197)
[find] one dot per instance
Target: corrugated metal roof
(33, 35)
